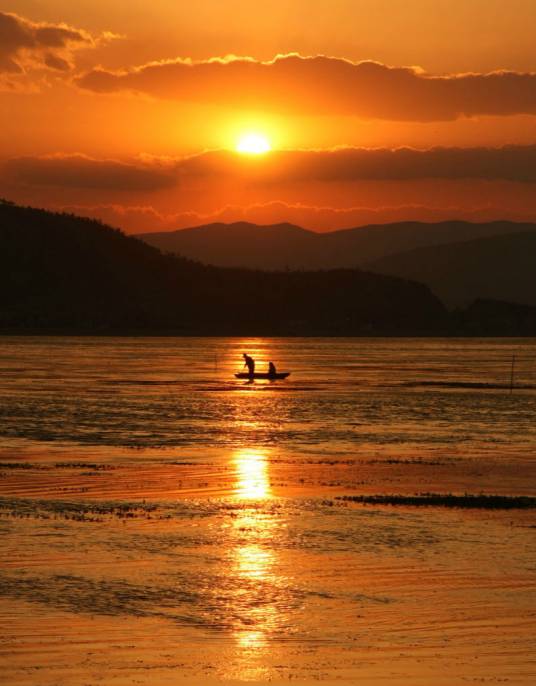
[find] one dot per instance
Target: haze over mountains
(64, 274)
(286, 246)
(460, 261)
(60, 272)
(497, 267)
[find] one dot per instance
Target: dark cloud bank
(326, 85)
(510, 163)
(24, 42)
(79, 171)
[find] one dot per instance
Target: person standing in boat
(249, 362)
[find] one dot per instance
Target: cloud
(145, 219)
(80, 171)
(224, 171)
(509, 163)
(131, 218)
(325, 85)
(25, 44)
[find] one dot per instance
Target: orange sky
(109, 108)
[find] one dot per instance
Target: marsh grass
(479, 501)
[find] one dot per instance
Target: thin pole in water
(512, 374)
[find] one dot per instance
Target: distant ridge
(499, 267)
(61, 273)
(241, 244)
(286, 246)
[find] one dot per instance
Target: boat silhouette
(262, 375)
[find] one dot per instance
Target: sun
(253, 144)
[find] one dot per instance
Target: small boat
(262, 375)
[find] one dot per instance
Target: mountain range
(498, 267)
(286, 246)
(60, 272)
(460, 261)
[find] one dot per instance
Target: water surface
(165, 523)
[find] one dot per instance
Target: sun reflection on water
(254, 565)
(253, 479)
(254, 561)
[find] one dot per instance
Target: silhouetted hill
(285, 246)
(60, 272)
(495, 268)
(273, 247)
(495, 318)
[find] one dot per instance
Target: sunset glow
(268, 342)
(253, 144)
(150, 120)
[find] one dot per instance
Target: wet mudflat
(163, 523)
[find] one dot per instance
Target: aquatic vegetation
(19, 465)
(480, 501)
(94, 466)
(78, 511)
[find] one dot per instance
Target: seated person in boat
(271, 369)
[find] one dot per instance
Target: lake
(165, 523)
